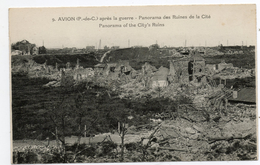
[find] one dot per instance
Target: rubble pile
(233, 72)
(196, 123)
(181, 139)
(212, 52)
(149, 81)
(192, 90)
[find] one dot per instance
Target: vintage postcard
(133, 84)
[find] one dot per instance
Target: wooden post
(119, 127)
(56, 134)
(226, 102)
(193, 68)
(85, 131)
(56, 66)
(48, 139)
(122, 132)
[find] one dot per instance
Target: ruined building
(159, 78)
(114, 70)
(24, 47)
(188, 68)
(34, 50)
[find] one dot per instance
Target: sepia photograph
(173, 83)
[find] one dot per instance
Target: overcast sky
(228, 24)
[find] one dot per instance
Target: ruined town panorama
(182, 91)
(133, 104)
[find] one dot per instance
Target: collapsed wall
(159, 78)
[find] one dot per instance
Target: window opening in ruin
(199, 79)
(190, 70)
(127, 73)
(122, 69)
(112, 69)
(190, 67)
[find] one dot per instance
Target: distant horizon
(102, 47)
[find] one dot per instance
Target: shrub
(107, 148)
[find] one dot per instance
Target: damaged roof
(197, 57)
(245, 95)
